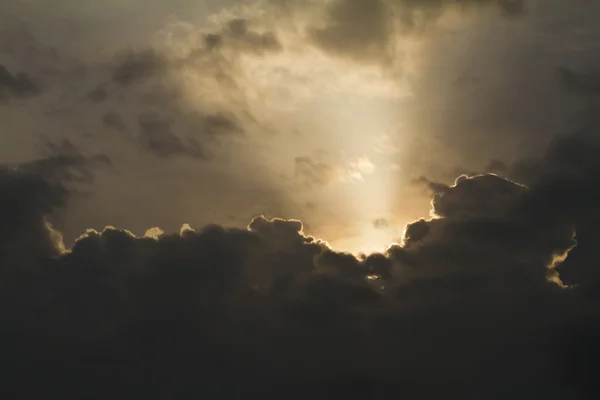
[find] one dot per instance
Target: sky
(280, 198)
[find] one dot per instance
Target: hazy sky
(325, 113)
(356, 117)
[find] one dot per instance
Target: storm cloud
(200, 308)
(162, 235)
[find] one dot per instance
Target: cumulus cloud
(495, 295)
(273, 308)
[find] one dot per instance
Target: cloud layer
(494, 296)
(472, 302)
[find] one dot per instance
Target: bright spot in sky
(370, 240)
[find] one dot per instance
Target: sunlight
(370, 240)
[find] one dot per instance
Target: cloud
(35, 190)
(18, 85)
(316, 172)
(63, 162)
(272, 301)
(157, 137)
(137, 66)
(357, 29)
(478, 301)
(367, 31)
(486, 211)
(238, 35)
(381, 223)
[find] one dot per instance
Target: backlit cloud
(292, 199)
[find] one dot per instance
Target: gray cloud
(484, 262)
(470, 304)
(365, 31)
(358, 29)
(17, 85)
(157, 137)
(314, 172)
(63, 161)
(137, 66)
(237, 34)
(381, 223)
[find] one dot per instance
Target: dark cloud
(238, 35)
(63, 161)
(358, 29)
(137, 66)
(278, 311)
(381, 223)
(488, 212)
(157, 137)
(477, 302)
(435, 187)
(365, 31)
(35, 190)
(216, 125)
(185, 134)
(18, 85)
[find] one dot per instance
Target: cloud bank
(477, 301)
(494, 296)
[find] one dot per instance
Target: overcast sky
(458, 140)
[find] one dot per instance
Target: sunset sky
(412, 182)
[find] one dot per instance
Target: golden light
(370, 240)
(348, 111)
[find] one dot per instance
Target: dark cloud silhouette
(63, 162)
(486, 211)
(381, 223)
(190, 135)
(275, 310)
(34, 190)
(18, 85)
(137, 66)
(431, 185)
(157, 137)
(365, 31)
(496, 296)
(358, 29)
